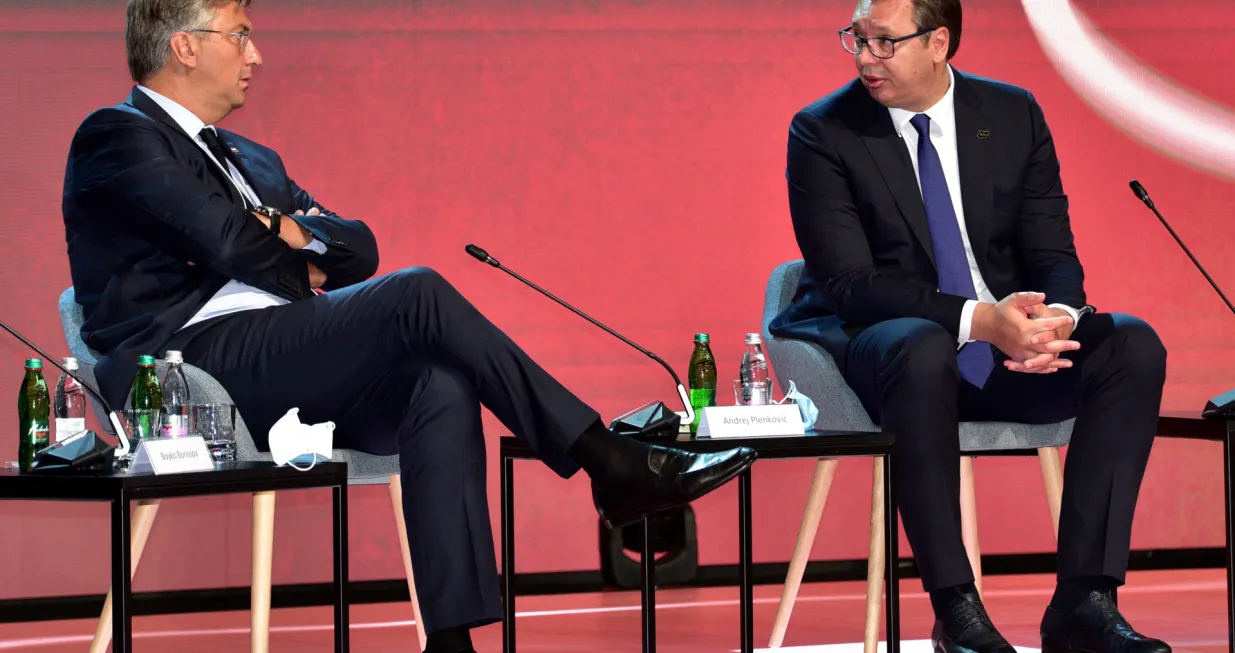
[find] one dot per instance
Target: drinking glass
(139, 424)
(216, 423)
(752, 393)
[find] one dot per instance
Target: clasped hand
(1032, 334)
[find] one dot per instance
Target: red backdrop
(625, 154)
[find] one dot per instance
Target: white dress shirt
(233, 296)
(943, 137)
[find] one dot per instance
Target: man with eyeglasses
(942, 277)
(187, 237)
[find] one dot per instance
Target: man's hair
(151, 23)
(940, 13)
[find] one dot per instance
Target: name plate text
(172, 456)
(750, 421)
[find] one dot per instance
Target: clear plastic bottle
(176, 398)
(70, 403)
(754, 373)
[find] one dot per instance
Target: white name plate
(750, 421)
(172, 456)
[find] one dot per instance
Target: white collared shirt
(943, 137)
(233, 296)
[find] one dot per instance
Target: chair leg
(1052, 479)
(825, 471)
(263, 561)
(396, 498)
(875, 562)
(140, 524)
(969, 522)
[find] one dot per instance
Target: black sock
(451, 640)
(1069, 592)
(942, 598)
(604, 454)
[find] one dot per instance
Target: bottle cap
(145, 360)
(69, 362)
(753, 339)
(174, 356)
(701, 337)
(34, 364)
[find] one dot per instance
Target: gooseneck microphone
(1224, 404)
(82, 452)
(648, 421)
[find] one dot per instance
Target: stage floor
(1186, 608)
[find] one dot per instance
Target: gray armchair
(362, 469)
(816, 375)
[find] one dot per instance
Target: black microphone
(1224, 404)
(84, 452)
(652, 421)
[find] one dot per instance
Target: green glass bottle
(146, 393)
(33, 413)
(702, 378)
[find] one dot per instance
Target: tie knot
(922, 123)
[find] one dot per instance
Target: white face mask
(292, 442)
(805, 406)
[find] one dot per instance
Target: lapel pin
(982, 133)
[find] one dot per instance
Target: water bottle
(176, 399)
(70, 404)
(754, 373)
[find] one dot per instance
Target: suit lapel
(975, 143)
(891, 157)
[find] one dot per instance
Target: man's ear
(184, 49)
(940, 41)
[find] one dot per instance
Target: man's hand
(1033, 345)
(317, 278)
(296, 236)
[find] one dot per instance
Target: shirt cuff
(1076, 315)
(316, 246)
(966, 322)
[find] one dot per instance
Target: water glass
(139, 424)
(752, 393)
(216, 424)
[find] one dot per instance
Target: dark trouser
(402, 364)
(905, 373)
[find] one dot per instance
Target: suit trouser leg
(401, 363)
(1114, 390)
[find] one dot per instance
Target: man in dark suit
(928, 207)
(187, 237)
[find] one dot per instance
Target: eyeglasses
(881, 46)
(243, 36)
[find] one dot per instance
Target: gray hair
(151, 23)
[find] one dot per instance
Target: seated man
(928, 207)
(176, 241)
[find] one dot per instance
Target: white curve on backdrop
(1130, 95)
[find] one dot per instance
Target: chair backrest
(782, 286)
(71, 320)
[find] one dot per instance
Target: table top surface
(1189, 425)
(812, 445)
(224, 478)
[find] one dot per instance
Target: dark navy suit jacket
(860, 223)
(154, 230)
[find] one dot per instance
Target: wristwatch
(274, 214)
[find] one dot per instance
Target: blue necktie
(976, 360)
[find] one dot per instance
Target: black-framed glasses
(243, 36)
(882, 47)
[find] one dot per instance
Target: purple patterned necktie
(976, 360)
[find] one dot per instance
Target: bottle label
(67, 427)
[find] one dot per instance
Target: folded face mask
(293, 443)
(805, 406)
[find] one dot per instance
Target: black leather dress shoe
(968, 629)
(1095, 626)
(673, 478)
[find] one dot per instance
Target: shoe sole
(614, 523)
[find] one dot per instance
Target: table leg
(1230, 536)
(647, 565)
(508, 554)
(122, 590)
(342, 626)
(892, 541)
(746, 601)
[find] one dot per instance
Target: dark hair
(940, 13)
(151, 23)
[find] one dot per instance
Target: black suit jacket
(860, 223)
(154, 229)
